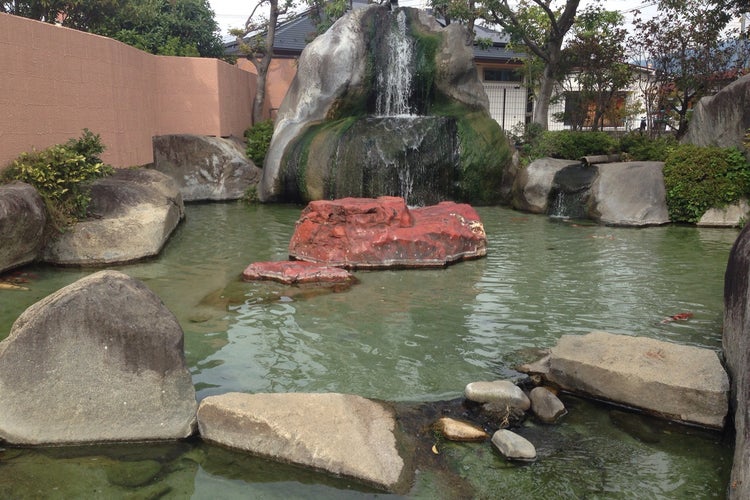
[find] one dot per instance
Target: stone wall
(56, 81)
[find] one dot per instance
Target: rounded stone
(502, 391)
(512, 446)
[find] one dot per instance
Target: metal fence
(507, 103)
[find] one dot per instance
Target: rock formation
(297, 273)
(22, 221)
(99, 360)
(205, 168)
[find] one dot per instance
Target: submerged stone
(512, 446)
(296, 272)
(380, 233)
(99, 360)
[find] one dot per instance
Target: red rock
(383, 232)
(296, 272)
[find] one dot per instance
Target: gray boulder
(132, 214)
(678, 382)
(99, 360)
(338, 433)
(533, 184)
(722, 119)
(736, 343)
(546, 405)
(512, 446)
(497, 391)
(22, 221)
(730, 216)
(205, 168)
(629, 194)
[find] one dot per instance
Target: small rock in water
(502, 391)
(457, 430)
(545, 405)
(513, 446)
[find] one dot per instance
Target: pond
(413, 337)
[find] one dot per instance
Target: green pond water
(416, 338)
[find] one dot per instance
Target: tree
(542, 29)
(169, 27)
(597, 56)
(692, 55)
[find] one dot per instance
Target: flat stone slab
(342, 434)
(678, 382)
(292, 272)
(383, 232)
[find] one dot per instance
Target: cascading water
(394, 79)
(570, 191)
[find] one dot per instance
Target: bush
(639, 147)
(258, 138)
(698, 178)
(572, 145)
(61, 175)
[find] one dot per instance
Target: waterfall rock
(132, 214)
(99, 360)
(379, 233)
(532, 186)
(678, 382)
(570, 191)
(338, 433)
(629, 194)
(331, 139)
(22, 221)
(546, 405)
(297, 273)
(512, 446)
(457, 430)
(736, 344)
(722, 119)
(205, 168)
(503, 392)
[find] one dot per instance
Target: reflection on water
(420, 335)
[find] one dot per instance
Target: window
(501, 75)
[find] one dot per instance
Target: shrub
(61, 175)
(571, 145)
(258, 138)
(698, 178)
(640, 147)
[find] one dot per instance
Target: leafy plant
(258, 138)
(641, 147)
(61, 174)
(698, 178)
(570, 145)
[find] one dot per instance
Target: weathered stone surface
(457, 430)
(205, 168)
(501, 391)
(512, 446)
(99, 360)
(546, 405)
(339, 433)
(384, 232)
(501, 415)
(533, 184)
(736, 343)
(629, 194)
(132, 214)
(296, 272)
(722, 119)
(22, 221)
(730, 216)
(679, 382)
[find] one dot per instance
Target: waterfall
(394, 78)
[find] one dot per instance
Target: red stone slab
(360, 233)
(296, 272)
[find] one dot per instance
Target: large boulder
(629, 194)
(338, 433)
(722, 119)
(678, 382)
(99, 360)
(736, 343)
(380, 233)
(532, 186)
(132, 214)
(205, 168)
(22, 221)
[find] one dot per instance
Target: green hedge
(640, 147)
(258, 139)
(698, 178)
(61, 174)
(572, 145)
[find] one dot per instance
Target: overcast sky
(233, 13)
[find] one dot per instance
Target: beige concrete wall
(280, 75)
(56, 81)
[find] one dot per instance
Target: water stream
(412, 337)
